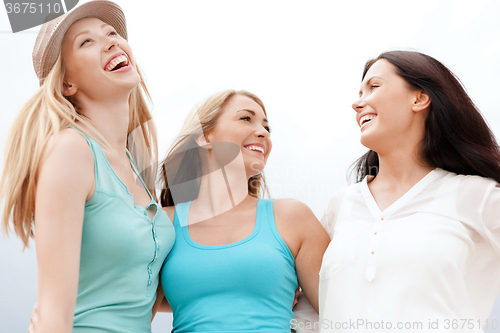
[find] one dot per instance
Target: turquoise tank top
(247, 286)
(121, 256)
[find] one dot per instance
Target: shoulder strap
(270, 230)
(92, 145)
(89, 140)
(265, 216)
(267, 210)
(138, 174)
(181, 214)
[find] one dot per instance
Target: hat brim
(51, 35)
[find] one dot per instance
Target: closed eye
(114, 33)
(373, 86)
(85, 41)
(247, 118)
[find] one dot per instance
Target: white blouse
(428, 263)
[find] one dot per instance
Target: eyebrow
(87, 31)
(368, 82)
(252, 112)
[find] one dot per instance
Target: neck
(111, 119)
(221, 190)
(401, 166)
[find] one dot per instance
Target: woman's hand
(33, 320)
(296, 299)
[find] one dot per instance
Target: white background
(303, 58)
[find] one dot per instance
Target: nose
(358, 105)
(261, 132)
(112, 42)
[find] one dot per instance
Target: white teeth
(258, 148)
(366, 118)
(113, 63)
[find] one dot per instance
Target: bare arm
(159, 297)
(65, 181)
(307, 240)
(161, 304)
(308, 261)
(165, 306)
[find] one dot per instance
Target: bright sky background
(303, 58)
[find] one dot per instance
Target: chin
(369, 139)
(255, 169)
(379, 142)
(134, 80)
(365, 141)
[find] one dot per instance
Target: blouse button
(149, 283)
(157, 247)
(373, 252)
(375, 233)
(381, 219)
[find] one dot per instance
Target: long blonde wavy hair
(40, 120)
(173, 169)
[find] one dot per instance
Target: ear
(202, 141)
(69, 89)
(422, 101)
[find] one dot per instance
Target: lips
(256, 147)
(366, 117)
(116, 62)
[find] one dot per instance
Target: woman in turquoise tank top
(100, 236)
(237, 258)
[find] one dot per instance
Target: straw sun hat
(49, 40)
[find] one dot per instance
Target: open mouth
(117, 63)
(366, 119)
(255, 148)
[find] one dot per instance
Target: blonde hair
(173, 169)
(38, 122)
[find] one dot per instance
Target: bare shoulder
(170, 210)
(292, 210)
(70, 143)
(297, 224)
(67, 155)
(295, 217)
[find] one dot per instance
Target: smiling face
(387, 109)
(97, 61)
(243, 122)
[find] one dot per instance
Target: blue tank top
(247, 286)
(121, 255)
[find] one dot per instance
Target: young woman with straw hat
(70, 181)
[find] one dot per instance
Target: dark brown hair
(457, 137)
